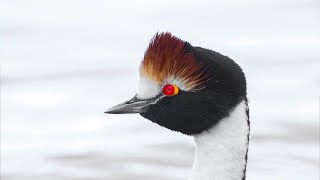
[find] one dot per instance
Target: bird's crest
(166, 59)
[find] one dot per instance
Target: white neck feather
(221, 151)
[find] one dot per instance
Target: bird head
(185, 88)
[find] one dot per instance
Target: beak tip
(109, 111)
(129, 107)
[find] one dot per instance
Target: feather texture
(167, 58)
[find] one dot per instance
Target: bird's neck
(221, 152)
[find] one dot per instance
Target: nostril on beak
(130, 102)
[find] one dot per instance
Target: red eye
(170, 90)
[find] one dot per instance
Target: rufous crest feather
(166, 58)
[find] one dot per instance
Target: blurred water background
(63, 63)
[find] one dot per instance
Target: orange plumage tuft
(166, 58)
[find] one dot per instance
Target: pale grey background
(64, 62)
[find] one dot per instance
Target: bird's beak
(133, 105)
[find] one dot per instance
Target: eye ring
(170, 90)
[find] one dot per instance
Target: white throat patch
(221, 151)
